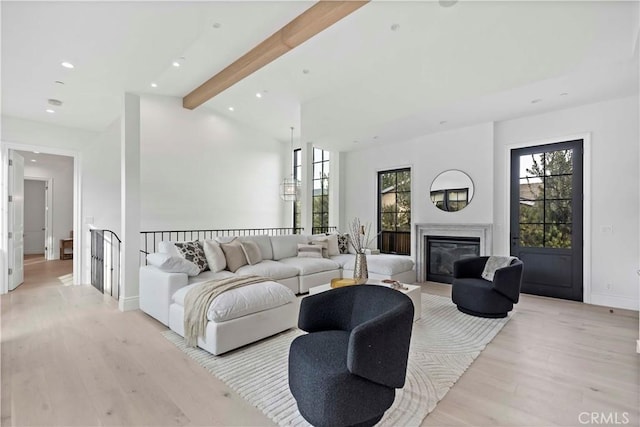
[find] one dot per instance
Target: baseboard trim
(129, 303)
(614, 301)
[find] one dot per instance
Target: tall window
(394, 211)
(320, 190)
(297, 174)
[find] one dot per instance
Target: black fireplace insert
(443, 251)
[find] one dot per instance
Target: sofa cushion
(307, 266)
(384, 264)
(243, 301)
(263, 242)
(192, 251)
(251, 252)
(309, 251)
(268, 268)
(334, 249)
(234, 255)
(287, 246)
(167, 247)
(215, 256)
(173, 264)
(210, 275)
(343, 243)
(343, 259)
(322, 243)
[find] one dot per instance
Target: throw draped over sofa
(344, 372)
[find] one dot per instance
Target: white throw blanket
(494, 263)
(198, 300)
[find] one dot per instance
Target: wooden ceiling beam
(306, 25)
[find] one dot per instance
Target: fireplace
(443, 251)
(455, 230)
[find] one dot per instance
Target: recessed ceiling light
(395, 27)
(564, 94)
(306, 71)
(535, 101)
(231, 108)
(55, 102)
(178, 62)
(50, 111)
(258, 95)
(216, 25)
(58, 82)
(375, 137)
(68, 65)
(33, 160)
(154, 85)
(443, 122)
(36, 152)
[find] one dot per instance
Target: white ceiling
(45, 161)
(470, 63)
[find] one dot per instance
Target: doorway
(35, 216)
(37, 221)
(546, 218)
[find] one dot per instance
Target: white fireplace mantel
(482, 231)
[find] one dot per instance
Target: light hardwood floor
(69, 357)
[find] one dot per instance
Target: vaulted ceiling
(390, 71)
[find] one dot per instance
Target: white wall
(468, 149)
(62, 192)
(34, 216)
(202, 171)
(27, 135)
(28, 132)
(615, 191)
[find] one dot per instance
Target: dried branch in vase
(359, 236)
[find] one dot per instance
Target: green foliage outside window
(545, 200)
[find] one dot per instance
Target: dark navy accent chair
(344, 372)
(478, 297)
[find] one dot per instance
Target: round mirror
(452, 190)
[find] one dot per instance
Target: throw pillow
(309, 251)
(215, 256)
(251, 252)
(225, 239)
(343, 243)
(324, 244)
(334, 249)
(166, 247)
(173, 264)
(234, 254)
(192, 251)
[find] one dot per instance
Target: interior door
(546, 218)
(34, 216)
(16, 220)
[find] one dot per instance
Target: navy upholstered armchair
(479, 297)
(344, 372)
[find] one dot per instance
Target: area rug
(444, 343)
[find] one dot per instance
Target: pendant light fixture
(290, 187)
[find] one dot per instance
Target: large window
(320, 190)
(297, 174)
(394, 211)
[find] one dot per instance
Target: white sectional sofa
(162, 292)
